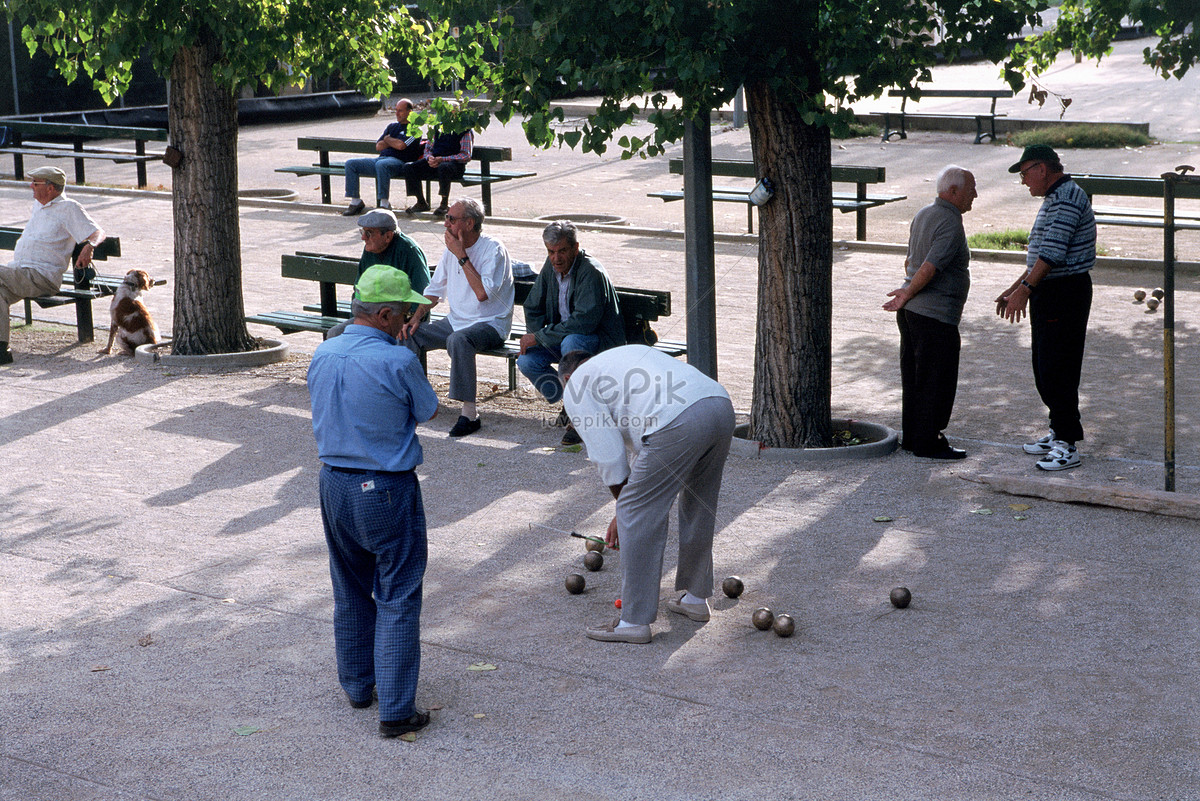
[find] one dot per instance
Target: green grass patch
(1011, 239)
(1083, 136)
(854, 130)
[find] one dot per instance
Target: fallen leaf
(480, 464)
(883, 519)
(982, 512)
(409, 737)
(481, 666)
(1019, 507)
(147, 640)
(246, 731)
(435, 707)
(1118, 478)
(479, 716)
(100, 668)
(572, 448)
(1020, 517)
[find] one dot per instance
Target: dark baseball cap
(1035, 153)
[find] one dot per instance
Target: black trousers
(929, 352)
(1058, 318)
(446, 173)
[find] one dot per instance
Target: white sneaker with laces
(1043, 445)
(1061, 457)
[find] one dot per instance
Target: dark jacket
(591, 299)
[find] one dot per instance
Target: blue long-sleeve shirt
(368, 396)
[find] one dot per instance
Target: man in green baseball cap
(368, 397)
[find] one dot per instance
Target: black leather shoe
(571, 437)
(354, 209)
(6, 356)
(465, 426)
(394, 728)
(943, 453)
(362, 704)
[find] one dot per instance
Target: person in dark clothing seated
(445, 158)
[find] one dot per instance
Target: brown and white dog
(131, 322)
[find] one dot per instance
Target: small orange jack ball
(617, 603)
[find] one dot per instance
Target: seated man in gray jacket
(572, 306)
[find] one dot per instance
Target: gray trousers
(17, 283)
(462, 345)
(686, 458)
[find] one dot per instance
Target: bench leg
(80, 177)
(28, 311)
(140, 147)
(512, 375)
(83, 320)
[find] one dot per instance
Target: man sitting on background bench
(43, 253)
(396, 149)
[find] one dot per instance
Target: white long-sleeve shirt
(623, 394)
(52, 233)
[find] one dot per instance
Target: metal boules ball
(762, 618)
(732, 587)
(594, 545)
(575, 583)
(1158, 293)
(900, 597)
(593, 561)
(1139, 295)
(1151, 304)
(784, 625)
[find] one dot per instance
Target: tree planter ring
(881, 441)
(159, 354)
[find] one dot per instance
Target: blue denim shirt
(368, 395)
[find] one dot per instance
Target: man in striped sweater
(1057, 289)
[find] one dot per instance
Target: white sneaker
(1061, 457)
(1043, 445)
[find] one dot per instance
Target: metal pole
(12, 58)
(700, 258)
(1169, 330)
(739, 109)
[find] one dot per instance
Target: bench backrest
(320, 267)
(917, 94)
(109, 247)
(1133, 186)
(842, 173)
(337, 145)
(81, 130)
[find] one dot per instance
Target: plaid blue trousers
(375, 530)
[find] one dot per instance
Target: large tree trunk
(792, 352)
(208, 254)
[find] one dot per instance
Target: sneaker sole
(1056, 468)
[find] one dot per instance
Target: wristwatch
(1024, 283)
(463, 260)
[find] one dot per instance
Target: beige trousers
(18, 283)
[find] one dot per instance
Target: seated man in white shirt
(43, 253)
(474, 276)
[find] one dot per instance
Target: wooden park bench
(26, 137)
(857, 201)
(479, 170)
(80, 287)
(889, 117)
(1131, 186)
(639, 307)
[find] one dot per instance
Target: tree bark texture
(208, 260)
(794, 335)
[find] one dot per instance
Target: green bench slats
(80, 133)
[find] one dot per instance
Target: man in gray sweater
(928, 309)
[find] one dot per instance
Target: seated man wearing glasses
(43, 252)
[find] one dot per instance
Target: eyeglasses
(1031, 166)
(40, 183)
(367, 233)
(452, 218)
